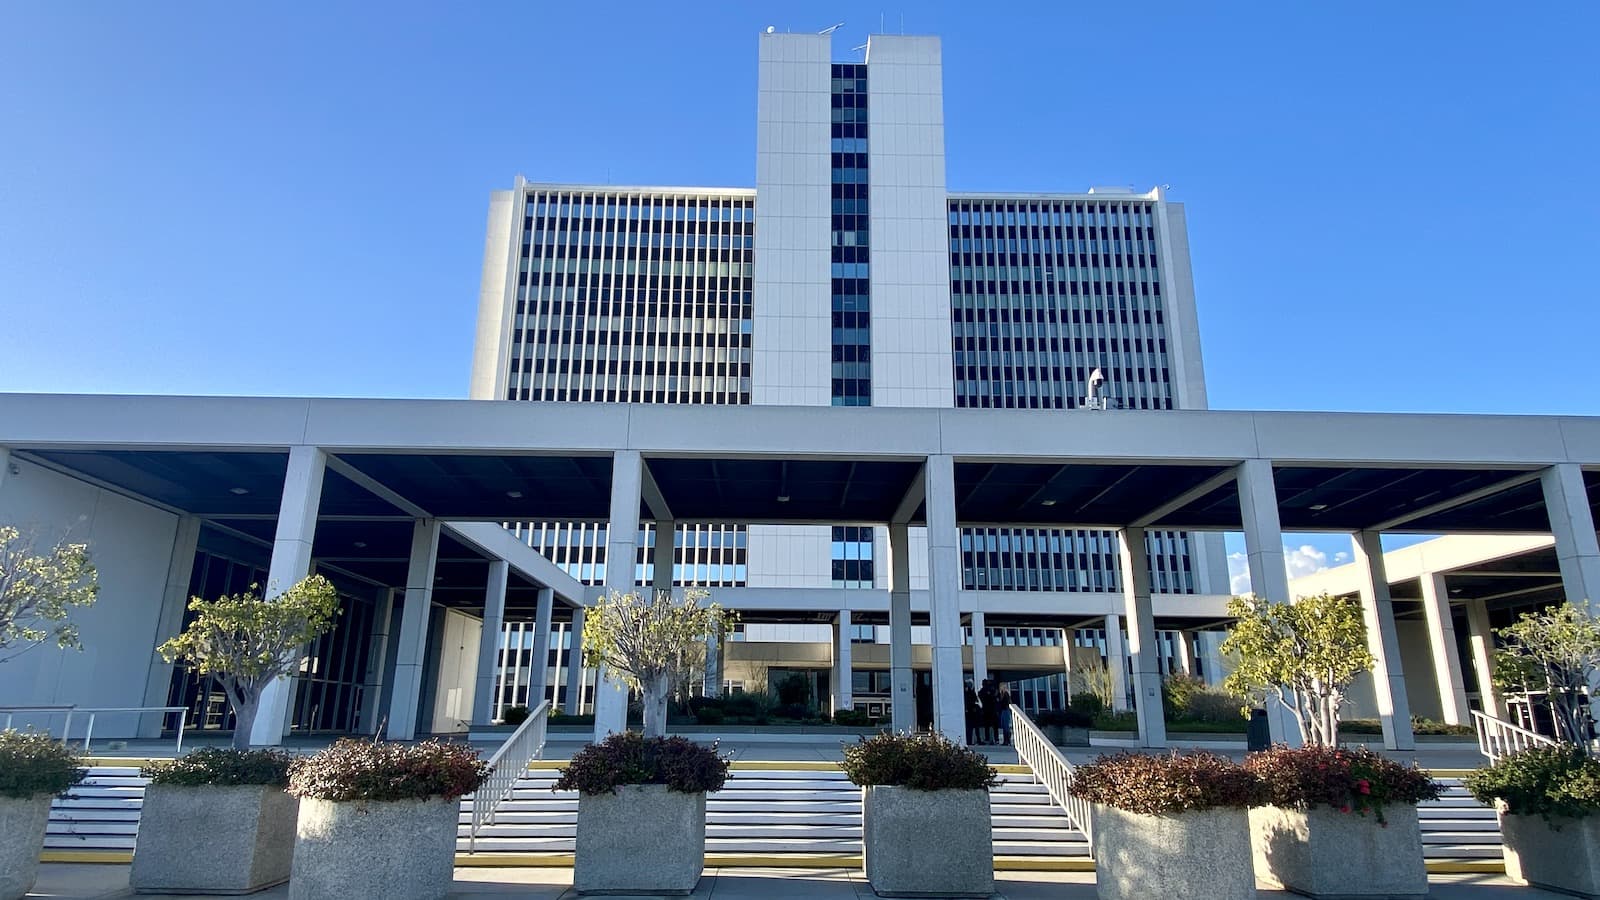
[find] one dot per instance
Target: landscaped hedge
(32, 764)
(1418, 726)
(1553, 782)
(515, 715)
(352, 769)
(223, 766)
(1345, 779)
(923, 762)
(1063, 718)
(1162, 784)
(631, 758)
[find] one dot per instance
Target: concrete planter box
(1561, 855)
(1328, 854)
(927, 843)
(1190, 854)
(644, 839)
(22, 824)
(213, 839)
(399, 850)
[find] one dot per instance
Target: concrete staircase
(769, 815)
(779, 812)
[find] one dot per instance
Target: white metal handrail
(88, 734)
(1052, 769)
(1497, 737)
(522, 747)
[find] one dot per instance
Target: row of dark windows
(1010, 314)
(1055, 344)
(644, 279)
(1050, 232)
(851, 255)
(579, 227)
(610, 395)
(1057, 260)
(583, 338)
(603, 251)
(602, 294)
(1069, 288)
(645, 368)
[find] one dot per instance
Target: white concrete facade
(792, 322)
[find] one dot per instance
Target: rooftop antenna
(831, 28)
(771, 29)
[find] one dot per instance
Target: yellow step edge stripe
(770, 861)
(114, 857)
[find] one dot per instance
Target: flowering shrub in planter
(1340, 822)
(1166, 823)
(1547, 799)
(908, 782)
(379, 819)
(33, 769)
(216, 821)
(641, 813)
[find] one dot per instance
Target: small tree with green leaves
(39, 591)
(1304, 653)
(1554, 651)
(245, 641)
(652, 641)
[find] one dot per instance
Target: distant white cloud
(1238, 573)
(1299, 561)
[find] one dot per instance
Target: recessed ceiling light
(515, 495)
(783, 498)
(1047, 503)
(1319, 507)
(239, 491)
(361, 545)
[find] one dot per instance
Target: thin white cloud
(1299, 561)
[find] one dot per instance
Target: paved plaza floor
(63, 880)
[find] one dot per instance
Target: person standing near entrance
(971, 700)
(1003, 702)
(988, 698)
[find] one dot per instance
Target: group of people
(988, 713)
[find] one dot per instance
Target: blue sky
(1388, 203)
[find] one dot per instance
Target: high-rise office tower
(852, 276)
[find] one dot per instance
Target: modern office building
(862, 407)
(850, 276)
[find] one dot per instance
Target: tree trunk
(655, 695)
(244, 716)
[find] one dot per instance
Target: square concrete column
(1377, 609)
(1117, 663)
(665, 555)
(539, 676)
(622, 554)
(484, 705)
(575, 673)
(1183, 643)
(174, 600)
(1566, 499)
(842, 684)
(944, 597)
(1480, 637)
(377, 657)
(1067, 635)
(980, 648)
(902, 700)
(5, 466)
(1269, 573)
(1442, 647)
(1142, 637)
(412, 651)
(291, 562)
(1209, 645)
